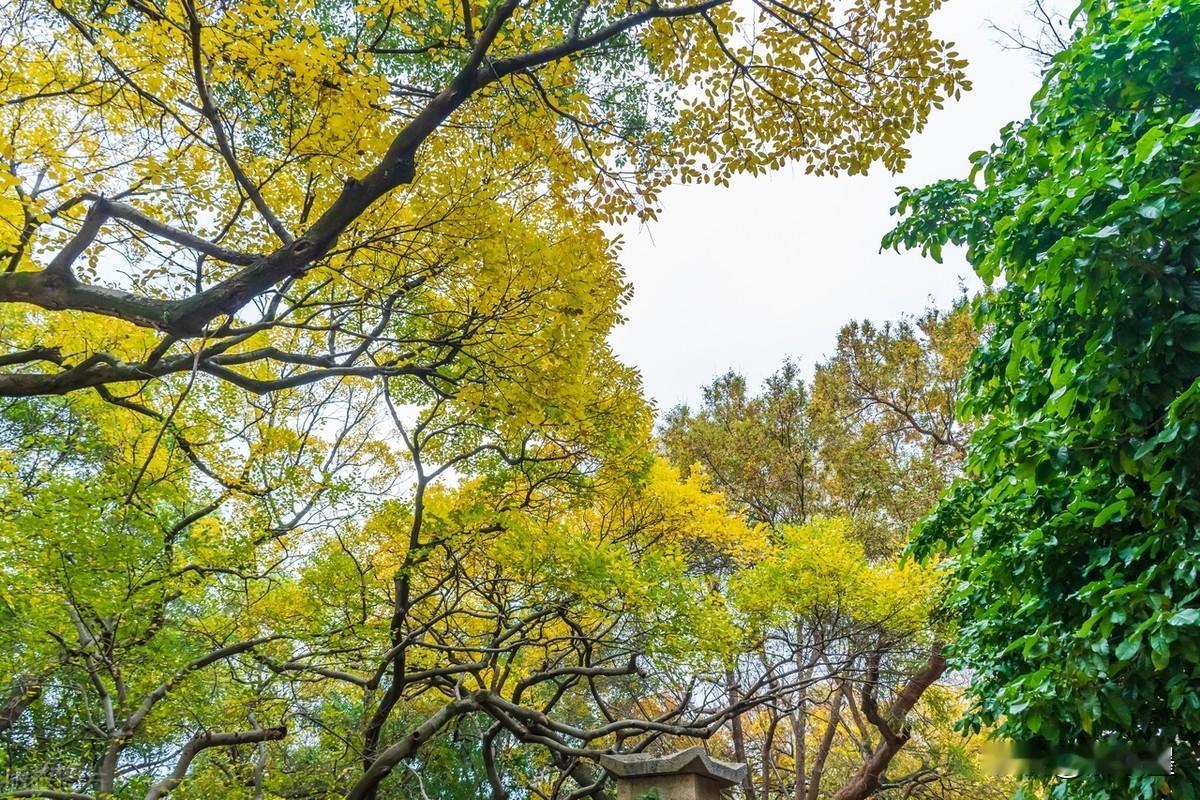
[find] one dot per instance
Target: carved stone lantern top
(690, 774)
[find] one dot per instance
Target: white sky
(742, 277)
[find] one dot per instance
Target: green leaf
(1153, 210)
(1184, 617)
(1165, 436)
(1160, 655)
(1107, 232)
(1150, 145)
(1129, 648)
(1116, 705)
(1111, 510)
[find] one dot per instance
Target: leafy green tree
(874, 436)
(1074, 543)
(884, 415)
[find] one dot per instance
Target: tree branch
(203, 742)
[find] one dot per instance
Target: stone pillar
(687, 775)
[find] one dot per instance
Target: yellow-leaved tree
(277, 192)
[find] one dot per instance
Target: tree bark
(800, 718)
(25, 691)
(835, 718)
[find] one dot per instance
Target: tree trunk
(768, 746)
(835, 717)
(739, 737)
(800, 719)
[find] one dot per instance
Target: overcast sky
(742, 277)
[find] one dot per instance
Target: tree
(528, 606)
(134, 589)
(160, 631)
(839, 473)
(874, 438)
(884, 405)
(1073, 538)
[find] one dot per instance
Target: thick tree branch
(159, 692)
(407, 746)
(867, 780)
(203, 742)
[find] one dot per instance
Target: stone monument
(687, 775)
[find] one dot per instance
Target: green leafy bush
(1073, 543)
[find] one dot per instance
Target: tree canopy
(275, 193)
(376, 594)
